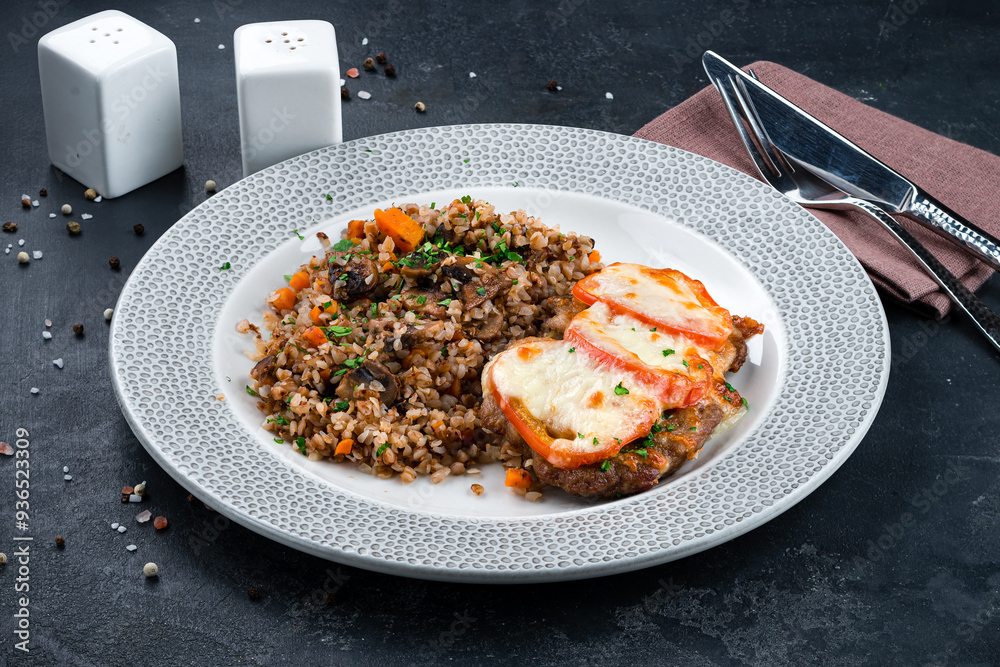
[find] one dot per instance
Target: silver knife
(849, 168)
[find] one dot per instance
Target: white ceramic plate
(814, 380)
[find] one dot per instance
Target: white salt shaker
(288, 88)
(111, 100)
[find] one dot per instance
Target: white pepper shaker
(288, 89)
(111, 101)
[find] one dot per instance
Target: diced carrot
(356, 229)
(314, 314)
(285, 299)
(314, 336)
(344, 446)
(299, 281)
(322, 285)
(594, 257)
(518, 478)
(387, 267)
(405, 232)
(324, 374)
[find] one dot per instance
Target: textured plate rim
(496, 135)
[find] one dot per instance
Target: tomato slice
(667, 365)
(660, 297)
(569, 410)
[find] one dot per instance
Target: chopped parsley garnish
(667, 353)
(620, 390)
(342, 406)
(251, 391)
(481, 291)
(572, 349)
(515, 185)
(288, 276)
(745, 403)
(229, 379)
(340, 372)
(301, 442)
(686, 364)
(641, 452)
(693, 428)
(596, 441)
(432, 204)
(338, 331)
(670, 428)
(466, 160)
(368, 150)
(381, 449)
(444, 302)
(515, 281)
(225, 267)
(606, 464)
(421, 300)
(354, 363)
(655, 428)
(279, 440)
(343, 244)
(466, 199)
(297, 234)
(730, 387)
(329, 198)
(580, 435)
(699, 366)
(374, 309)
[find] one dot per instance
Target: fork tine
(750, 112)
(762, 164)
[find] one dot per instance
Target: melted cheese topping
(570, 393)
(662, 296)
(623, 335)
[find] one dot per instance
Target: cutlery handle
(984, 318)
(938, 217)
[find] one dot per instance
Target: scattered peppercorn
(78, 329)
(140, 489)
(60, 542)
(90, 193)
(420, 107)
(10, 227)
(390, 70)
(139, 230)
(190, 498)
(66, 209)
(552, 85)
(160, 522)
(380, 58)
(3, 559)
(43, 193)
(115, 263)
(26, 203)
(210, 186)
(369, 66)
(73, 227)
(478, 489)
(345, 94)
(253, 592)
(150, 570)
(108, 313)
(22, 257)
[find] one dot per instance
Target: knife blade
(849, 168)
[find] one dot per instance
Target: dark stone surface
(811, 586)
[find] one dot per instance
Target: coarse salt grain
(353, 72)
(115, 525)
(343, 82)
(20, 242)
(364, 42)
(37, 254)
(609, 96)
(65, 468)
(97, 199)
(58, 363)
(86, 216)
(131, 547)
(34, 390)
(122, 529)
(34, 202)
(135, 498)
(47, 335)
(364, 94)
(472, 75)
(68, 478)
(52, 215)
(222, 46)
(143, 516)
(197, 20)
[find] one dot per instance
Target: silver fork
(805, 188)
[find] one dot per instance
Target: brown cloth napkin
(964, 178)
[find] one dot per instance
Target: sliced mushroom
(419, 265)
(263, 369)
(485, 288)
(370, 379)
(458, 270)
(426, 303)
(360, 273)
(487, 328)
